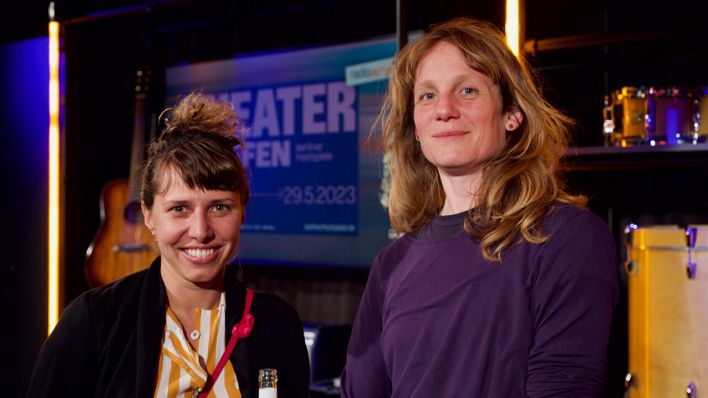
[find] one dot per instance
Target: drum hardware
(691, 390)
(669, 248)
(630, 267)
(702, 111)
(608, 124)
(651, 116)
(696, 122)
(628, 380)
(691, 266)
(628, 229)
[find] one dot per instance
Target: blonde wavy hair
(519, 185)
(198, 143)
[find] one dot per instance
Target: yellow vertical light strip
(648, 321)
(53, 234)
(513, 25)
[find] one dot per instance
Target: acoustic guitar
(123, 244)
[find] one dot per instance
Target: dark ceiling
(188, 30)
(22, 20)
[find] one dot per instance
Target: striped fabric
(182, 369)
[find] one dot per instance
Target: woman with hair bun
(502, 284)
(187, 325)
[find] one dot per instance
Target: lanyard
(240, 330)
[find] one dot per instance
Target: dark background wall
(637, 43)
(102, 58)
(23, 161)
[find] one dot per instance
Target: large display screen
(314, 173)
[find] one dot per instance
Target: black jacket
(108, 342)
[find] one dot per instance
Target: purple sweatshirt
(438, 320)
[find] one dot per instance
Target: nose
(446, 108)
(200, 227)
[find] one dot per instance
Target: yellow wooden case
(668, 312)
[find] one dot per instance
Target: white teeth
(199, 252)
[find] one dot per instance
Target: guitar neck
(140, 123)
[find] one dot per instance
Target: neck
(184, 296)
(460, 192)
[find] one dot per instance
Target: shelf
(535, 46)
(685, 157)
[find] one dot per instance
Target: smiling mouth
(199, 253)
(446, 134)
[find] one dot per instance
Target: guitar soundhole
(132, 213)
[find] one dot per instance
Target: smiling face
(458, 113)
(196, 231)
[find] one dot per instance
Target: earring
(511, 124)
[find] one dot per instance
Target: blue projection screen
(315, 179)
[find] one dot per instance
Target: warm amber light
(513, 26)
(53, 233)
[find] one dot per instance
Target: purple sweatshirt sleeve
(574, 291)
(365, 374)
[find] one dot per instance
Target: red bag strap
(240, 330)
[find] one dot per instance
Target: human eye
(468, 91)
(221, 208)
(427, 96)
(177, 209)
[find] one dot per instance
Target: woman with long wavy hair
(501, 284)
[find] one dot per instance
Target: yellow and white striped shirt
(182, 370)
